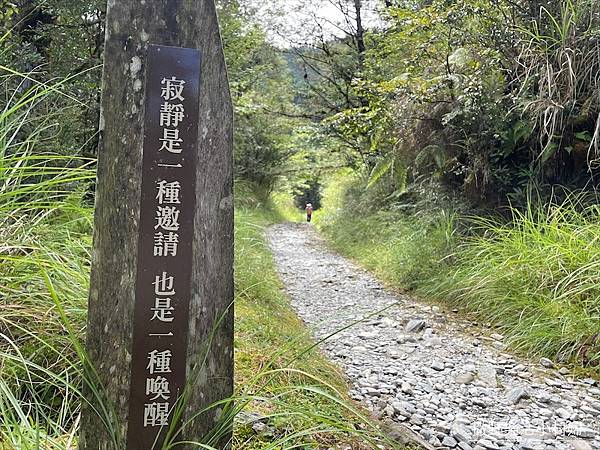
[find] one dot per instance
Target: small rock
(415, 325)
(416, 419)
(427, 434)
(564, 371)
(488, 444)
(442, 428)
(580, 445)
(590, 411)
(408, 407)
(516, 395)
(449, 442)
(499, 345)
(480, 403)
(260, 428)
(435, 441)
(438, 365)
(249, 418)
(433, 342)
(461, 434)
(544, 397)
(545, 362)
(368, 335)
(562, 412)
(465, 378)
(406, 388)
(497, 337)
(532, 444)
(488, 375)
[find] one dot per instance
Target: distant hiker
(309, 211)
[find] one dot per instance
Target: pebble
(516, 395)
(547, 363)
(415, 325)
(465, 378)
(580, 445)
(449, 442)
(438, 365)
(486, 443)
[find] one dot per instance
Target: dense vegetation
(454, 144)
(482, 122)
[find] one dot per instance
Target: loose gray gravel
(436, 373)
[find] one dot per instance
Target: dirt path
(435, 373)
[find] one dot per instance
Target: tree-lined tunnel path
(436, 373)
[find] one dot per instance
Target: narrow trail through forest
(436, 373)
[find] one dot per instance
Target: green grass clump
(401, 250)
(537, 277)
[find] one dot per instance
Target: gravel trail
(434, 372)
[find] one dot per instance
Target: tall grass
(557, 72)
(402, 250)
(536, 277)
(45, 229)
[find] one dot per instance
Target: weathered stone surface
(580, 445)
(449, 442)
(465, 378)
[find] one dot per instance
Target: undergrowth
(534, 276)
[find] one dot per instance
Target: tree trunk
(360, 33)
(131, 26)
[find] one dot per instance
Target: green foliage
(56, 40)
(484, 97)
(557, 78)
(402, 248)
(46, 234)
(261, 90)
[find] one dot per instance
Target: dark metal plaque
(163, 284)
